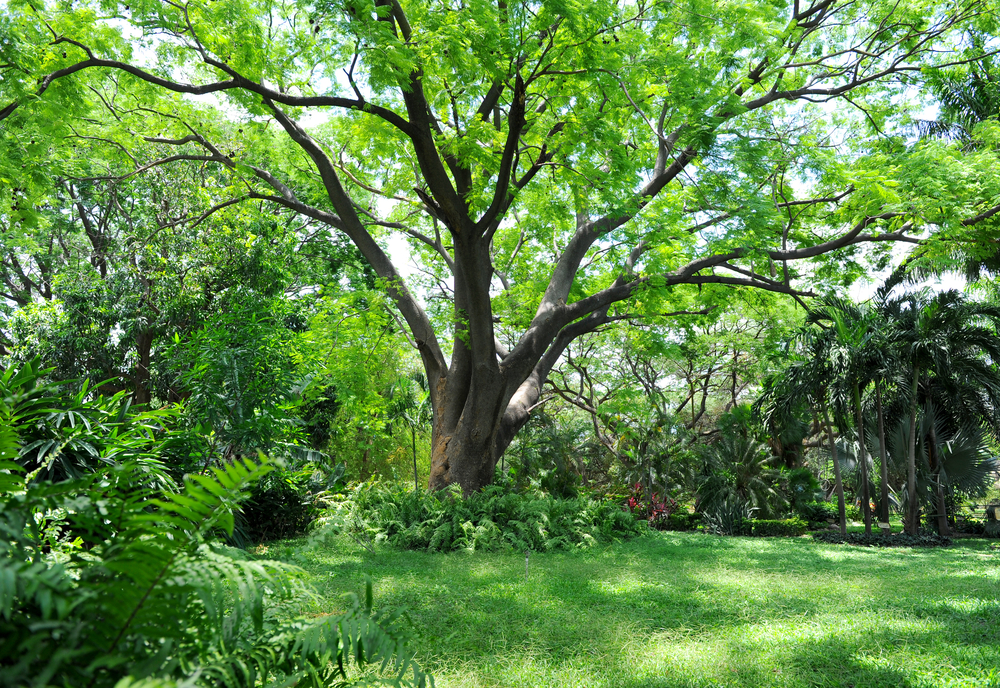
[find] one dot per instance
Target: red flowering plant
(651, 507)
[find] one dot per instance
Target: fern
(107, 581)
(490, 520)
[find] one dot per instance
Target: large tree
(556, 166)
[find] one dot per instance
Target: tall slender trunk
(935, 461)
(141, 392)
(912, 508)
(863, 462)
(413, 438)
(883, 498)
(838, 481)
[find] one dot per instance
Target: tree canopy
(555, 167)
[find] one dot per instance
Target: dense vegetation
(486, 280)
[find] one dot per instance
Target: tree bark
(935, 461)
(838, 481)
(141, 392)
(912, 508)
(863, 462)
(883, 499)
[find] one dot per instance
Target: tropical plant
(105, 580)
(652, 508)
(730, 516)
(739, 471)
(67, 433)
(854, 353)
(947, 342)
(808, 380)
(410, 404)
(494, 519)
(534, 135)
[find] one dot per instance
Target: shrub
(789, 527)
(106, 581)
(682, 520)
(285, 502)
(817, 514)
(653, 509)
(492, 519)
(803, 488)
(730, 517)
(873, 540)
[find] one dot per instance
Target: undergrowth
(491, 520)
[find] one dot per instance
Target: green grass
(679, 609)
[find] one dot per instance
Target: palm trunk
(935, 460)
(838, 482)
(863, 462)
(883, 498)
(912, 508)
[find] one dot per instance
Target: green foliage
(286, 501)
(239, 371)
(738, 470)
(105, 579)
(682, 521)
(493, 520)
(803, 489)
(817, 514)
(788, 527)
(874, 540)
(729, 516)
(64, 433)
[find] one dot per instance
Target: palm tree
(947, 342)
(740, 468)
(854, 357)
(809, 379)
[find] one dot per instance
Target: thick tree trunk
(866, 511)
(883, 498)
(838, 481)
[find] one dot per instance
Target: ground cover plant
(495, 519)
(686, 610)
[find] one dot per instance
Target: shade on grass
(677, 609)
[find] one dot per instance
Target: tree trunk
(863, 463)
(413, 439)
(838, 482)
(883, 499)
(935, 461)
(465, 445)
(141, 392)
(912, 508)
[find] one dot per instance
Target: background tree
(635, 148)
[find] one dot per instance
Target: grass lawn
(679, 609)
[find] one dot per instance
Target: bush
(285, 502)
(654, 510)
(817, 514)
(789, 527)
(803, 488)
(490, 520)
(682, 521)
(873, 540)
(730, 517)
(105, 581)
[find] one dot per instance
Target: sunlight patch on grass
(687, 610)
